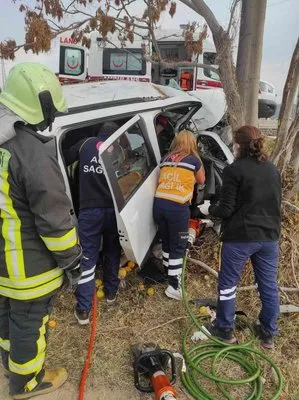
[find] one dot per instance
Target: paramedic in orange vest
(180, 170)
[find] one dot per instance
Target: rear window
(71, 61)
(120, 62)
(265, 87)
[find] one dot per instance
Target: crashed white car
(138, 108)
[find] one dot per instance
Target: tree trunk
(225, 61)
(227, 74)
(244, 48)
(250, 56)
(288, 102)
(295, 155)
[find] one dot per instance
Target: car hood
(213, 107)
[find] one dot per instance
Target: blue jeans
(264, 258)
(94, 224)
(173, 230)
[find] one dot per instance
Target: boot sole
(267, 346)
(81, 321)
(41, 392)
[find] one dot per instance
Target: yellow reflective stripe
(33, 293)
(31, 384)
(175, 197)
(4, 344)
(33, 281)
(33, 366)
(41, 341)
(11, 231)
(62, 243)
(72, 169)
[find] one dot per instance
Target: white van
(267, 100)
(137, 108)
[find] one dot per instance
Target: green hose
(243, 355)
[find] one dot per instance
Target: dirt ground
(69, 391)
(139, 318)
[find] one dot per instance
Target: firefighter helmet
(33, 92)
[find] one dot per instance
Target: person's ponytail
(250, 143)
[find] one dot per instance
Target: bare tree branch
(68, 7)
(155, 43)
(189, 4)
(202, 9)
(171, 64)
(232, 15)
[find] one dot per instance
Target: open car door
(131, 170)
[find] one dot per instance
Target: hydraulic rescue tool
(195, 229)
(154, 371)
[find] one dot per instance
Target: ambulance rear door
(128, 160)
(72, 63)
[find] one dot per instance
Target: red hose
(90, 348)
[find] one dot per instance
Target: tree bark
(244, 48)
(227, 72)
(285, 133)
(294, 159)
(250, 56)
(225, 61)
(295, 155)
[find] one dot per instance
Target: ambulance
(108, 60)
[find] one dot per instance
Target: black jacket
(250, 202)
(94, 190)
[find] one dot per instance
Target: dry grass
(139, 318)
(269, 144)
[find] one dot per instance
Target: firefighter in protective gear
(38, 239)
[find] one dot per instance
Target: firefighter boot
(52, 380)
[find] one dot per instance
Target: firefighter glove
(73, 276)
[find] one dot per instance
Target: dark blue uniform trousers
(264, 258)
(94, 224)
(173, 230)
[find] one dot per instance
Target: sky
(280, 35)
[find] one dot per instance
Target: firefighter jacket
(38, 238)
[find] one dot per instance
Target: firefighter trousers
(23, 340)
(173, 231)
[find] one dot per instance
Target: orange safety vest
(176, 181)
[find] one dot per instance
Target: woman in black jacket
(250, 211)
